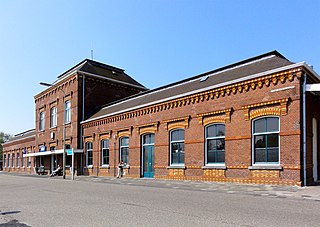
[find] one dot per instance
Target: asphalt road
(30, 201)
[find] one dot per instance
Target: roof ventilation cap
(204, 78)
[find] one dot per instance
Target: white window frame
(67, 111)
(13, 160)
(53, 117)
(91, 150)
(265, 133)
(41, 121)
(9, 164)
(222, 164)
(124, 146)
(177, 141)
(22, 159)
(107, 149)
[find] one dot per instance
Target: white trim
(177, 141)
(312, 87)
(197, 91)
(265, 133)
(14, 140)
(113, 80)
(213, 138)
(282, 89)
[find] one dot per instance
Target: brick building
(255, 121)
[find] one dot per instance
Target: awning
(51, 152)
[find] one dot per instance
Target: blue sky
(156, 41)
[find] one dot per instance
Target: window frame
(41, 121)
(18, 160)
(67, 112)
(53, 117)
(214, 138)
(121, 147)
(9, 164)
(107, 149)
(177, 141)
(254, 163)
(87, 154)
(4, 161)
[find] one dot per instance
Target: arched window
(124, 149)
(266, 140)
(215, 144)
(177, 147)
(105, 152)
(89, 156)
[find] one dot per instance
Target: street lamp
(63, 131)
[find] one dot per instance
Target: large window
(67, 111)
(4, 161)
(105, 152)
(266, 140)
(215, 152)
(18, 160)
(124, 149)
(53, 117)
(89, 158)
(177, 147)
(41, 121)
(9, 163)
(22, 159)
(13, 159)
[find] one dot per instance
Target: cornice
(237, 88)
(55, 88)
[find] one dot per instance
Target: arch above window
(177, 123)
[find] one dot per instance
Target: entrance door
(148, 155)
(315, 149)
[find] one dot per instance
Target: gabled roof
(23, 135)
(202, 82)
(102, 70)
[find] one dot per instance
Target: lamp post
(63, 133)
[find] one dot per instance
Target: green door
(148, 155)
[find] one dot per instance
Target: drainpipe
(304, 130)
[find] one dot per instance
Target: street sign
(69, 151)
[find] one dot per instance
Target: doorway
(315, 149)
(148, 155)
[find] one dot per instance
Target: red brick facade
(236, 105)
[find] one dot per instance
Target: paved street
(90, 201)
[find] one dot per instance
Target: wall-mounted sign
(43, 148)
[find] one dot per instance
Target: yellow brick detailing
(176, 172)
(283, 77)
(274, 111)
(265, 173)
(214, 173)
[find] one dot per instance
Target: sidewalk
(275, 191)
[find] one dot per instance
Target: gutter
(304, 130)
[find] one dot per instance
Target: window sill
(88, 167)
(176, 167)
(105, 166)
(53, 128)
(271, 167)
(214, 167)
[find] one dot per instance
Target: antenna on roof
(91, 50)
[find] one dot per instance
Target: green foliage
(4, 137)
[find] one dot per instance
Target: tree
(4, 137)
